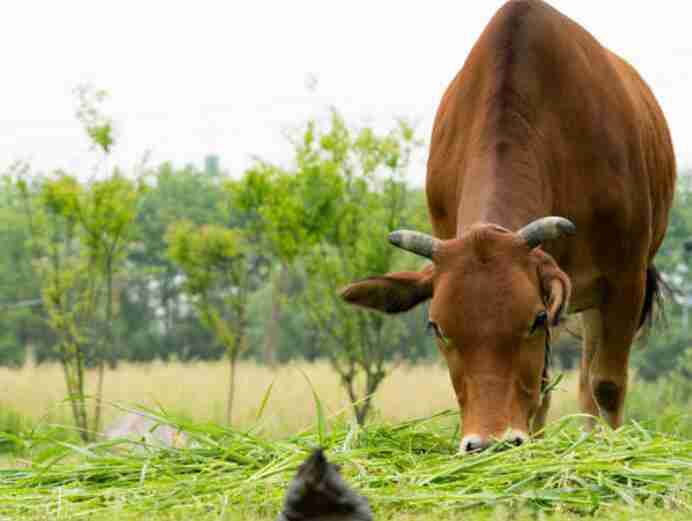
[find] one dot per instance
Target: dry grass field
(198, 391)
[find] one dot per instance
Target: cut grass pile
(409, 467)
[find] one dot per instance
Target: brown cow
(541, 121)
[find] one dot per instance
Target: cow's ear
(556, 287)
(392, 293)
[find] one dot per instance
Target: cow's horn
(545, 229)
(415, 242)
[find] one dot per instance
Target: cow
(318, 493)
(550, 178)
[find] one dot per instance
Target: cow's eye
(539, 322)
(432, 326)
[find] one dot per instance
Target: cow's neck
(503, 188)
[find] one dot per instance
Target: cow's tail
(656, 291)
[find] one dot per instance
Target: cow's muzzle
(475, 443)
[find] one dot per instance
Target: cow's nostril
(516, 438)
(473, 444)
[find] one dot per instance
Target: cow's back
(544, 120)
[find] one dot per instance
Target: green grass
(11, 423)
(407, 470)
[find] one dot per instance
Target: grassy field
(405, 460)
(198, 391)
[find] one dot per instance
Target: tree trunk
(362, 411)
(108, 344)
(273, 336)
(81, 396)
(233, 357)
(76, 395)
(99, 393)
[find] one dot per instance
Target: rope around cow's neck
(547, 363)
(546, 385)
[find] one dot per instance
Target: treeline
(341, 191)
(196, 264)
(178, 263)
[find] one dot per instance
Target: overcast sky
(229, 77)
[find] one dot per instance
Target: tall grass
(197, 391)
(33, 395)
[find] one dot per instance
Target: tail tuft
(656, 291)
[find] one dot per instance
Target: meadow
(404, 460)
(197, 391)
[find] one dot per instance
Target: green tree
(347, 192)
(155, 317)
(67, 289)
(80, 234)
(248, 203)
(20, 311)
(218, 271)
(284, 213)
(664, 348)
(106, 214)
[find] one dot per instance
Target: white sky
(228, 77)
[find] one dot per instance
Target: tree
(284, 213)
(219, 273)
(21, 320)
(158, 323)
(247, 204)
(68, 288)
(79, 234)
(347, 192)
(106, 213)
(664, 349)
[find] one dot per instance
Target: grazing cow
(317, 493)
(550, 177)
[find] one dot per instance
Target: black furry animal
(318, 493)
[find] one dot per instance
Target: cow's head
(494, 295)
